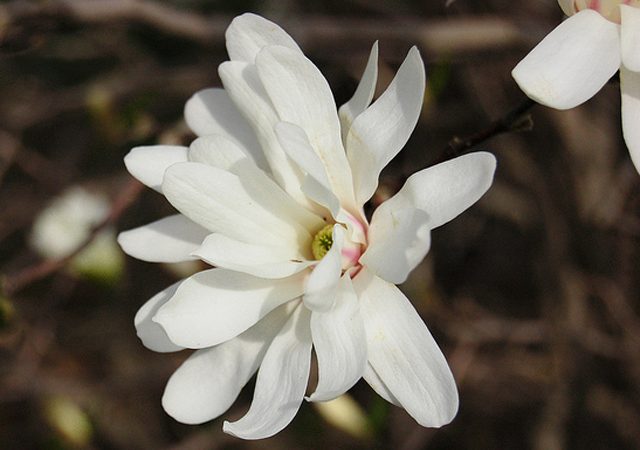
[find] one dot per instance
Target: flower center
(350, 251)
(322, 242)
(609, 9)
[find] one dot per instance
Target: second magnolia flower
(271, 194)
(573, 62)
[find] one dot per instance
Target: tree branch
(518, 119)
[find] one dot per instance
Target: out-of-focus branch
(155, 14)
(436, 37)
(118, 85)
(15, 282)
(518, 119)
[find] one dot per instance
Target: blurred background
(533, 294)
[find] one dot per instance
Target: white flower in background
(271, 194)
(576, 59)
(67, 222)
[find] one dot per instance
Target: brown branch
(15, 282)
(518, 119)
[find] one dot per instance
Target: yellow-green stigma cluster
(322, 242)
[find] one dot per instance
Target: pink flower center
(353, 244)
(352, 249)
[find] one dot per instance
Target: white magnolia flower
(271, 194)
(575, 60)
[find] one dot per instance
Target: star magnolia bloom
(271, 194)
(576, 59)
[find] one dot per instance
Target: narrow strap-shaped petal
(379, 133)
(241, 81)
(398, 241)
(211, 111)
(572, 62)
(322, 285)
(167, 240)
(216, 305)
(209, 381)
(630, 37)
(259, 260)
(301, 95)
(220, 152)
(150, 333)
(373, 380)
(340, 343)
(630, 88)
(243, 209)
(281, 382)
(404, 354)
(316, 185)
(363, 94)
(445, 190)
(148, 164)
(248, 33)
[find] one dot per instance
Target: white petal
(379, 133)
(211, 111)
(363, 95)
(150, 333)
(259, 260)
(281, 382)
(248, 33)
(445, 190)
(316, 184)
(209, 381)
(356, 226)
(399, 240)
(630, 88)
(216, 305)
(403, 353)
(340, 343)
(241, 81)
(301, 95)
(572, 62)
(630, 37)
(322, 285)
(148, 164)
(373, 379)
(168, 240)
(295, 143)
(217, 151)
(244, 209)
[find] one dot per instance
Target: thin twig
(14, 283)
(517, 119)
